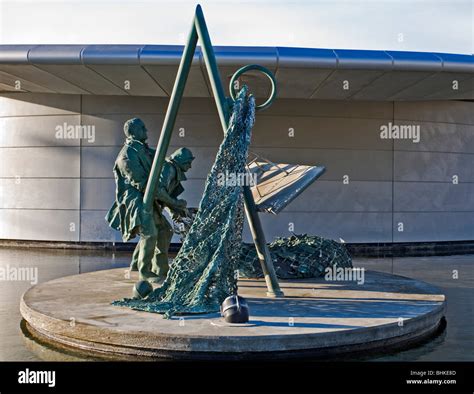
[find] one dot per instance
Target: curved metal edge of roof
(283, 57)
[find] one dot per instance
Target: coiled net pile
(296, 257)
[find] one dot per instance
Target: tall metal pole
(258, 235)
(212, 70)
(170, 119)
(199, 28)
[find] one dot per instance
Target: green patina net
(296, 257)
(202, 274)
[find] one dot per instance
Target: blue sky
(423, 25)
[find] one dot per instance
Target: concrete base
(316, 318)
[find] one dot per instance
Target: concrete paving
(316, 316)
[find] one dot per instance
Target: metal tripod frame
(223, 103)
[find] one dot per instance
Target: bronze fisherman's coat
(131, 171)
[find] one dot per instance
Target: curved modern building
(395, 131)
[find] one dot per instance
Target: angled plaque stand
(278, 184)
(199, 30)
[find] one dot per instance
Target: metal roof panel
(111, 54)
(56, 54)
(300, 72)
(415, 61)
(361, 59)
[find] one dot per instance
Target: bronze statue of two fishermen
(131, 170)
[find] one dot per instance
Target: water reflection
(51, 264)
(454, 344)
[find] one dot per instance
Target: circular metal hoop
(264, 71)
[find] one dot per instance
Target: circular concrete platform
(316, 317)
